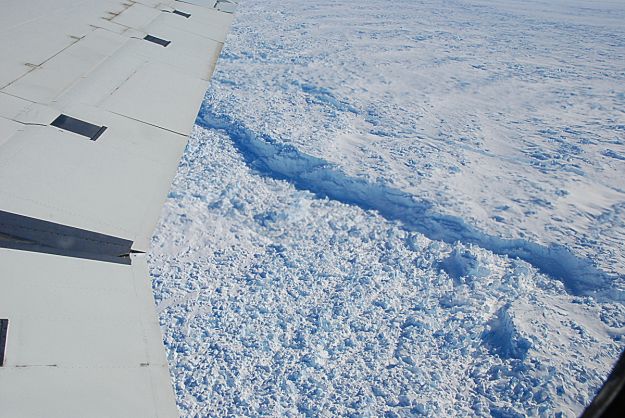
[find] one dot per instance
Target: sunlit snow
(400, 209)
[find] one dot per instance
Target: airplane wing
(97, 98)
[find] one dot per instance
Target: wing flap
(82, 392)
(88, 324)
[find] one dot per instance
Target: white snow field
(399, 209)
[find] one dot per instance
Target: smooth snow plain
(400, 209)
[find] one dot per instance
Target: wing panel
(49, 80)
(85, 320)
(8, 128)
(205, 22)
(137, 16)
(159, 107)
(55, 392)
(31, 39)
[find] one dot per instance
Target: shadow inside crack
(282, 161)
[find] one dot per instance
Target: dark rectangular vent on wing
(157, 40)
(180, 13)
(79, 127)
(4, 329)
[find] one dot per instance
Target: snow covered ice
(401, 209)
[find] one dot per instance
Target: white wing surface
(97, 99)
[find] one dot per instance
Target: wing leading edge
(97, 99)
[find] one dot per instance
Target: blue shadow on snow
(283, 161)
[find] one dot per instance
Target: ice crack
(283, 161)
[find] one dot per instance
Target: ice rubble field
(401, 208)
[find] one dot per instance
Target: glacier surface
(401, 209)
